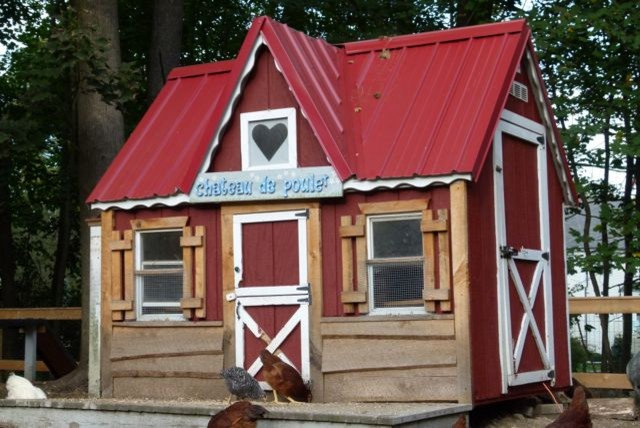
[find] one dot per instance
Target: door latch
(507, 252)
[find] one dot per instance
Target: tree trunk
(64, 225)
(8, 296)
(166, 43)
(100, 134)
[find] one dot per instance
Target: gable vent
(519, 91)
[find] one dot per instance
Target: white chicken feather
(20, 388)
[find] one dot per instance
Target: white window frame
(288, 113)
(408, 310)
(138, 279)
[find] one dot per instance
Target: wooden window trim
(392, 207)
(159, 223)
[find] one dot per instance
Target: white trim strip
(392, 183)
(529, 377)
(278, 290)
(522, 121)
(226, 116)
(169, 201)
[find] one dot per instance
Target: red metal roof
(428, 104)
(417, 105)
(174, 130)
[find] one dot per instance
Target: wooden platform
(139, 413)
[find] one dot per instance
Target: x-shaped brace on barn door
(528, 319)
(273, 344)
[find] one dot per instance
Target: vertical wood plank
(429, 266)
(106, 224)
(347, 265)
(361, 265)
(315, 277)
(200, 272)
(129, 290)
(461, 284)
(443, 261)
(228, 308)
(116, 274)
(187, 272)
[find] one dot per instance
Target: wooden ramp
(129, 413)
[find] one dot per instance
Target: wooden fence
(604, 305)
(21, 314)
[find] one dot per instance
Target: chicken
(241, 414)
(242, 384)
(20, 388)
(576, 415)
(633, 373)
(284, 379)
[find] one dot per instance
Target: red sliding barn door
(524, 274)
(271, 288)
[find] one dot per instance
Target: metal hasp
(507, 252)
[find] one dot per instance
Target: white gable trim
(540, 101)
(228, 112)
(169, 201)
(394, 183)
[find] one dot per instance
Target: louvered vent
(519, 91)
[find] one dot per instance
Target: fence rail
(33, 321)
(604, 305)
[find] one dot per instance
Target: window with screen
(159, 274)
(395, 263)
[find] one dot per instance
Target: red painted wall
(515, 105)
(199, 215)
(332, 210)
(482, 247)
(266, 89)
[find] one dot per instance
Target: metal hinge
(306, 288)
(545, 255)
(304, 213)
(551, 374)
(540, 139)
(507, 252)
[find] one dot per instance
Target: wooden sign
(282, 184)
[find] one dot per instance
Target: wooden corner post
(107, 225)
(461, 284)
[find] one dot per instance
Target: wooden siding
(389, 359)
(167, 360)
(266, 89)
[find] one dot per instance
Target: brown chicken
(576, 415)
(241, 414)
(284, 379)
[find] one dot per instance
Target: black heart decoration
(269, 140)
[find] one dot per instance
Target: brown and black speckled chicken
(284, 379)
(241, 414)
(576, 415)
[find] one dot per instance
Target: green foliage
(579, 356)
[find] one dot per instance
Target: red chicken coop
(385, 215)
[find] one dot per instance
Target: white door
(272, 292)
(524, 275)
